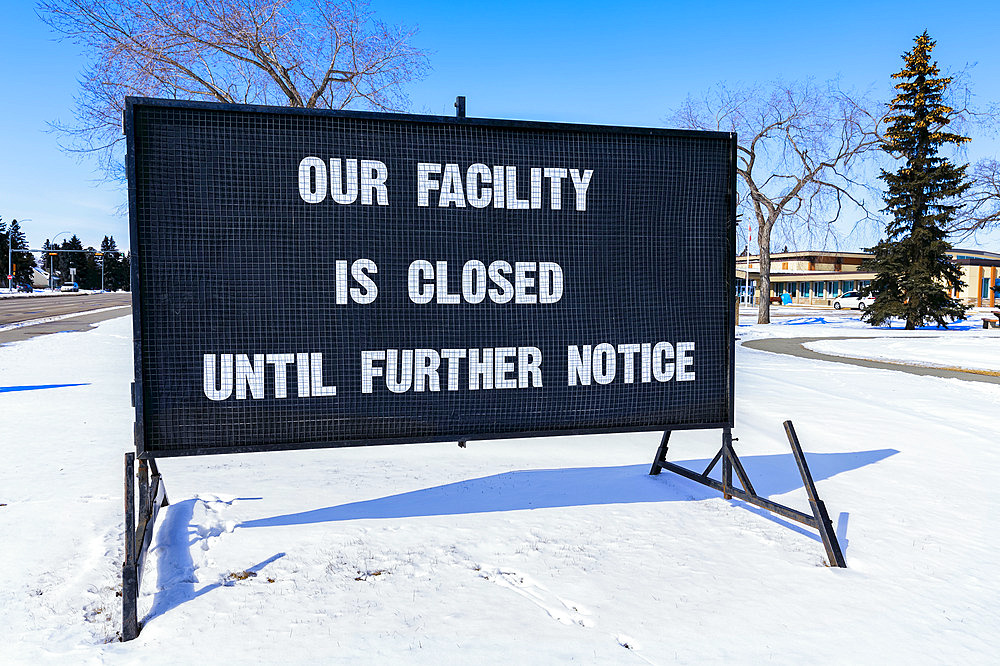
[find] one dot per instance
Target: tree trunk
(764, 240)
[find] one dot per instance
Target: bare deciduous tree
(305, 53)
(980, 205)
(800, 150)
(978, 209)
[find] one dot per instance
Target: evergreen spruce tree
(3, 251)
(68, 260)
(914, 272)
(106, 262)
(126, 272)
(115, 271)
(89, 273)
(24, 262)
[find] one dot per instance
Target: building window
(848, 285)
(819, 290)
(804, 290)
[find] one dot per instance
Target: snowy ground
(530, 551)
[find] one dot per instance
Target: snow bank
(976, 353)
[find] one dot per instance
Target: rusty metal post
(130, 578)
(727, 463)
(143, 475)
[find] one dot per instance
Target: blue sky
(625, 63)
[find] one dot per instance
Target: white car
(853, 301)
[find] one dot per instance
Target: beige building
(817, 277)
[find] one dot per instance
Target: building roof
(962, 256)
(978, 254)
(806, 254)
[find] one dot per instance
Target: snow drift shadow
(175, 568)
(804, 321)
(37, 387)
(582, 486)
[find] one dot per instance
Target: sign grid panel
(336, 279)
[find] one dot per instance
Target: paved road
(13, 310)
(793, 347)
(16, 310)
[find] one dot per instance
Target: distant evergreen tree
(89, 274)
(69, 260)
(115, 270)
(3, 251)
(914, 272)
(24, 262)
(126, 272)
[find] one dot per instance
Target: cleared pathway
(793, 347)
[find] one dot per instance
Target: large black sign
(312, 278)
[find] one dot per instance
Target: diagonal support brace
(820, 518)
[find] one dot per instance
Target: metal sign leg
(823, 523)
(130, 577)
(138, 534)
(661, 454)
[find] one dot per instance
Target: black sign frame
(728, 279)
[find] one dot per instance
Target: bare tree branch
(980, 205)
(311, 53)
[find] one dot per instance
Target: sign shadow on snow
(581, 486)
(509, 491)
(175, 568)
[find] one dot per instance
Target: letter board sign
(307, 278)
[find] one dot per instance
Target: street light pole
(51, 254)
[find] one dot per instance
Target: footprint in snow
(559, 609)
